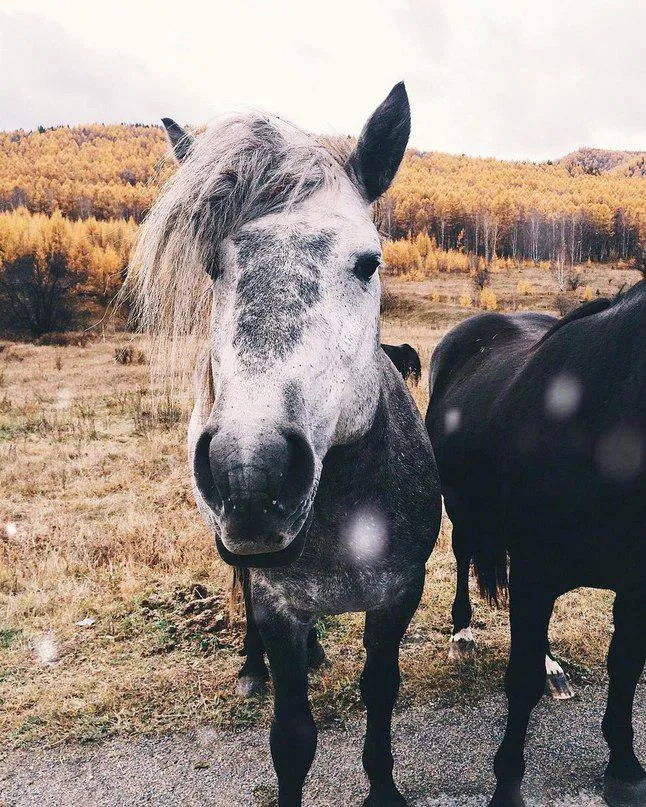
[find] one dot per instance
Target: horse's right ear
(374, 162)
(180, 140)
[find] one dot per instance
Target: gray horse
(310, 462)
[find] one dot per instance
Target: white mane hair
(238, 170)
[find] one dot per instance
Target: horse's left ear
(180, 140)
(374, 162)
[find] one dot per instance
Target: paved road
(443, 758)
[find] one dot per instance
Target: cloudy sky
(504, 78)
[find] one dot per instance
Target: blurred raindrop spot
(367, 533)
(562, 396)
(620, 454)
(452, 420)
(46, 649)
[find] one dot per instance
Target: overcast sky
(504, 78)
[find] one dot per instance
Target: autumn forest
(71, 199)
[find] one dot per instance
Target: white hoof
(250, 686)
(463, 646)
(557, 681)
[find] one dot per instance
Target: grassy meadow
(114, 608)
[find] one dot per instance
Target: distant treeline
(568, 212)
(71, 198)
(591, 205)
(83, 171)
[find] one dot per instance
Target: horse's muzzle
(260, 491)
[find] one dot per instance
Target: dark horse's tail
(490, 563)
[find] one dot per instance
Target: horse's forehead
(278, 283)
(273, 246)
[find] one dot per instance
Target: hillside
(599, 161)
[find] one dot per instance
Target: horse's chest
(335, 589)
(356, 563)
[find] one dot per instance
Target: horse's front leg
(293, 733)
(625, 780)
(379, 687)
(253, 675)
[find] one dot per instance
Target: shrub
(525, 289)
(587, 294)
(564, 304)
(40, 292)
(465, 301)
(402, 257)
(421, 257)
(129, 355)
(573, 281)
(488, 300)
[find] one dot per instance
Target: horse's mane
(238, 170)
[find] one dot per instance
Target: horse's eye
(366, 265)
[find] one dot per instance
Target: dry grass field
(114, 612)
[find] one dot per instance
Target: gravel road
(443, 759)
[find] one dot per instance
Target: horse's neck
(394, 449)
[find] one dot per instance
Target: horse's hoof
(392, 798)
(463, 646)
(507, 796)
(249, 686)
(315, 656)
(558, 684)
(619, 793)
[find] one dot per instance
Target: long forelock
(237, 171)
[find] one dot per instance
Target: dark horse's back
(469, 368)
(539, 431)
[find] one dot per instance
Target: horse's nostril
(298, 472)
(205, 480)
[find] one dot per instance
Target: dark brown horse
(540, 438)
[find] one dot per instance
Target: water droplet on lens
(452, 420)
(562, 396)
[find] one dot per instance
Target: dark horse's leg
(253, 675)
(462, 644)
(379, 686)
(293, 733)
(625, 781)
(530, 611)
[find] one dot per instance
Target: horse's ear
(180, 140)
(374, 162)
